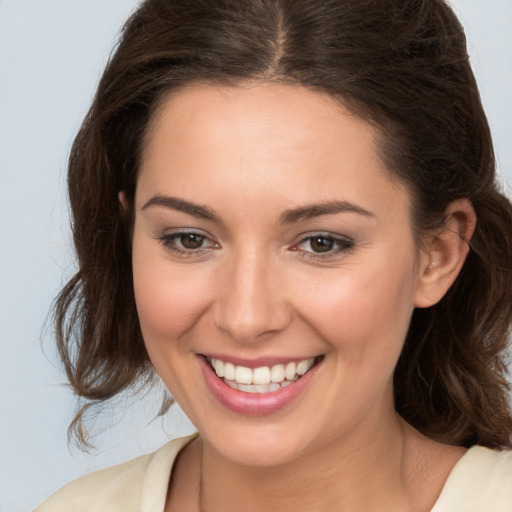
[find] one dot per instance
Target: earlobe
(444, 253)
(122, 199)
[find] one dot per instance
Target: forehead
(258, 111)
(217, 143)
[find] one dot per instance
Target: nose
(251, 301)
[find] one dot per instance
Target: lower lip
(254, 404)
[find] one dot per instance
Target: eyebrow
(317, 210)
(180, 205)
(287, 217)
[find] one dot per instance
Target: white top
(480, 482)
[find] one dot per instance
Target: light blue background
(51, 55)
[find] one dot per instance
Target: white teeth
(263, 379)
(304, 366)
(277, 373)
(261, 375)
(219, 368)
(290, 371)
(247, 388)
(262, 388)
(229, 370)
(256, 388)
(243, 375)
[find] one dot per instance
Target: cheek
(169, 302)
(361, 312)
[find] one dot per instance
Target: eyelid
(168, 237)
(343, 245)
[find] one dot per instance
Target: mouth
(256, 388)
(263, 379)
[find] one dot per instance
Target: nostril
(250, 304)
(253, 325)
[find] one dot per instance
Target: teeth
(263, 379)
(229, 370)
(261, 375)
(247, 388)
(243, 375)
(277, 373)
(219, 368)
(304, 366)
(290, 371)
(257, 388)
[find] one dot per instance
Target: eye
(321, 245)
(191, 240)
(187, 243)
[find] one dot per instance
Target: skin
(256, 287)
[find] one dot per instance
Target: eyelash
(339, 244)
(170, 241)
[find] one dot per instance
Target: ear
(122, 199)
(444, 253)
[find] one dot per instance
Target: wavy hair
(401, 65)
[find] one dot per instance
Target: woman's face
(268, 237)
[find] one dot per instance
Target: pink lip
(253, 404)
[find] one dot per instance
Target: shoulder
(139, 484)
(481, 482)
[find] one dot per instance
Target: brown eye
(191, 240)
(185, 244)
(321, 244)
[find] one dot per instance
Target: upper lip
(257, 362)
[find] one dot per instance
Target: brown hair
(400, 64)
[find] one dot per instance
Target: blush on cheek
(359, 312)
(167, 308)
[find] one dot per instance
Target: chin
(258, 445)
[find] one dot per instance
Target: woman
(288, 211)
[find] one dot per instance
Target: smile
(264, 379)
(255, 388)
